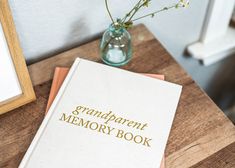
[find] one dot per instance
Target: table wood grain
(201, 135)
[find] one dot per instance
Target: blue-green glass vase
(115, 46)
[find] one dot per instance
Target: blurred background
(201, 37)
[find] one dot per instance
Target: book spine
(42, 128)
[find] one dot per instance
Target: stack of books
(101, 116)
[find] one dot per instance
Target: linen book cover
(59, 76)
(105, 117)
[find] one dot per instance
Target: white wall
(46, 27)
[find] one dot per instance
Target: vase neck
(116, 30)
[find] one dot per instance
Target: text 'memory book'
(105, 117)
(59, 76)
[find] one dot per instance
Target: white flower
(184, 3)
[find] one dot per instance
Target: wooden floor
(201, 134)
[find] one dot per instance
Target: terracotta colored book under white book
(105, 117)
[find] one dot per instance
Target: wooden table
(201, 135)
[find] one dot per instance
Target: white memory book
(105, 117)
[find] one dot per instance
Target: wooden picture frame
(27, 93)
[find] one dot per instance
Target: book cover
(105, 117)
(59, 76)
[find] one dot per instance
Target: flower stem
(153, 13)
(129, 13)
(107, 8)
(136, 10)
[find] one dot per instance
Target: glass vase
(115, 46)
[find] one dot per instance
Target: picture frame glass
(9, 83)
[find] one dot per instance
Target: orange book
(59, 76)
